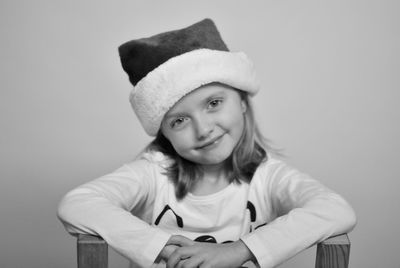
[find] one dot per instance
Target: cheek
(234, 120)
(180, 141)
(239, 126)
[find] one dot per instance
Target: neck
(213, 180)
(214, 171)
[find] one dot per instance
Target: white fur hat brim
(164, 86)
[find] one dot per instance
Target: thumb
(167, 251)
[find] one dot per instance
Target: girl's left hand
(205, 255)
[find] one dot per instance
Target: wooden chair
(331, 253)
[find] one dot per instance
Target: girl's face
(205, 125)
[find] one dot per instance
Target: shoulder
(152, 164)
(273, 171)
(273, 166)
(155, 157)
(149, 160)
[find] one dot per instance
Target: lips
(211, 143)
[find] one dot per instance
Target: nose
(203, 127)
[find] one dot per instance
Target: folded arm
(104, 207)
(307, 213)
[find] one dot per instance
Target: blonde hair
(247, 155)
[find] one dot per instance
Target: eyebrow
(217, 94)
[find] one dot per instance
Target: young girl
(206, 192)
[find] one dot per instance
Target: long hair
(247, 155)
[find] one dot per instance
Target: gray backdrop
(330, 74)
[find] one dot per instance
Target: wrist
(243, 253)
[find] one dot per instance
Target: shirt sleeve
(306, 212)
(104, 207)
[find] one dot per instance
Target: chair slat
(92, 252)
(334, 252)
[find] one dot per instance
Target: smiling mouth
(210, 144)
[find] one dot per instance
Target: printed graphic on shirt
(252, 209)
(253, 217)
(210, 239)
(179, 221)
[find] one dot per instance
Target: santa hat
(165, 67)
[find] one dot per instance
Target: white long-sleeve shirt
(279, 213)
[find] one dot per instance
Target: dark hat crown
(141, 56)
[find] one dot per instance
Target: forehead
(201, 95)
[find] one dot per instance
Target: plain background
(330, 74)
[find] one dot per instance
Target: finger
(178, 255)
(180, 240)
(167, 251)
(192, 262)
(205, 265)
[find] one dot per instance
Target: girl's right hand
(173, 243)
(183, 252)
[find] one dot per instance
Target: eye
(214, 103)
(178, 122)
